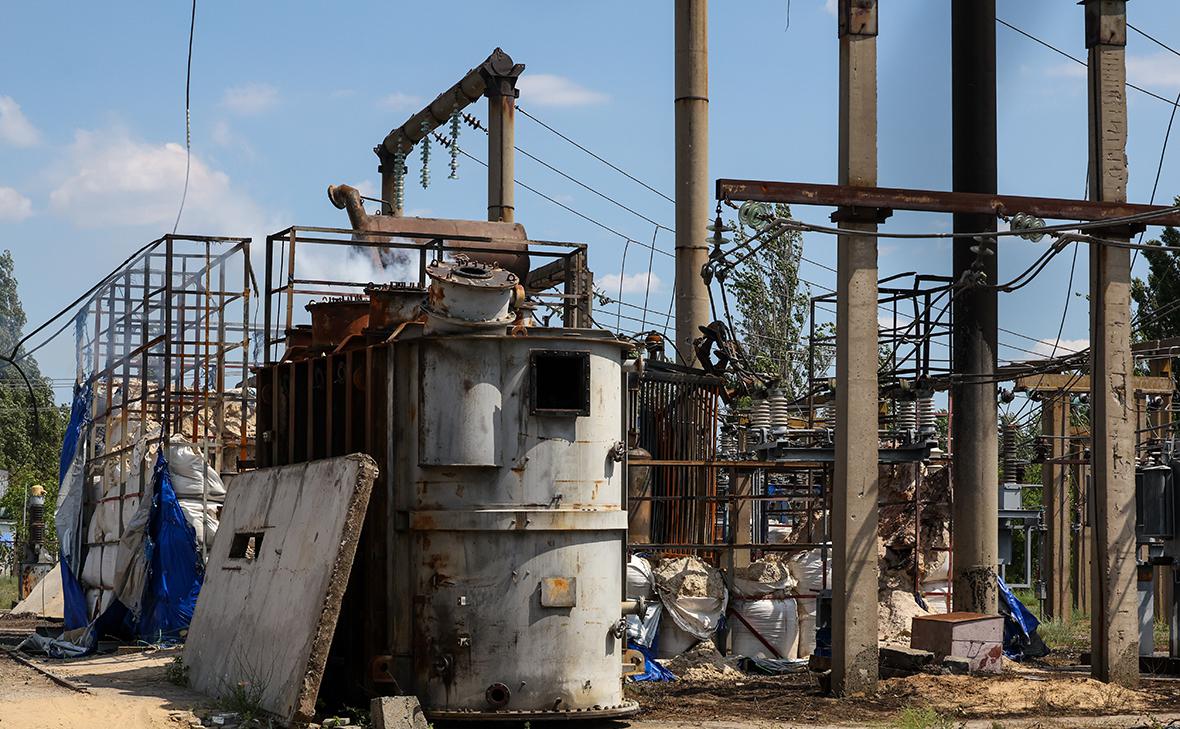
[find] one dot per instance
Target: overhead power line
(614, 167)
(1075, 59)
(188, 127)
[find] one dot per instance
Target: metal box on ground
(977, 637)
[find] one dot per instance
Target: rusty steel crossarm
(467, 91)
(933, 201)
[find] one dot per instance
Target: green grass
(921, 718)
(7, 592)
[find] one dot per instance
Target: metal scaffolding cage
(165, 345)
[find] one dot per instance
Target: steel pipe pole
(500, 75)
(1114, 627)
(692, 172)
(974, 470)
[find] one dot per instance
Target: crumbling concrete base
(397, 712)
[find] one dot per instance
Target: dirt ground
(123, 691)
(130, 690)
(1020, 697)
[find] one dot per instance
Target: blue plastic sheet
(79, 419)
(175, 569)
(1020, 627)
(74, 611)
(653, 670)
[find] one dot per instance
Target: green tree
(1157, 299)
(773, 305)
(28, 450)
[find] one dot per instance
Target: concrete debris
(896, 610)
(904, 660)
(703, 662)
(689, 577)
(397, 712)
(957, 665)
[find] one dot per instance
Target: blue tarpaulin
(74, 609)
(1020, 627)
(175, 570)
(653, 670)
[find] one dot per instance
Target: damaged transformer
(488, 580)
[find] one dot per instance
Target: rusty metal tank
(335, 321)
(394, 303)
(510, 473)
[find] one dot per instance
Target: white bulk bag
(775, 619)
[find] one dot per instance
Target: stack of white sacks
(124, 488)
(777, 597)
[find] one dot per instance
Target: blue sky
(290, 97)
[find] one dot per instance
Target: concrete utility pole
(499, 75)
(854, 494)
(1055, 497)
(1114, 629)
(692, 172)
(974, 469)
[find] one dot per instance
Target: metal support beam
(854, 493)
(1055, 498)
(1114, 626)
(500, 75)
(934, 201)
(692, 172)
(974, 310)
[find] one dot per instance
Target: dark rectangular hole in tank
(560, 383)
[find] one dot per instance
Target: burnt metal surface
(333, 322)
(934, 201)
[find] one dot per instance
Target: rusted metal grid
(164, 343)
(401, 257)
(698, 508)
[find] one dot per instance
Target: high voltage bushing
(1008, 450)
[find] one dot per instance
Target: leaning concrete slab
(276, 574)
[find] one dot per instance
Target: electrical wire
(188, 136)
(1154, 40)
(614, 167)
(32, 395)
(448, 142)
(1075, 59)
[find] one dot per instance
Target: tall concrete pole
(975, 469)
(692, 172)
(1055, 498)
(499, 75)
(854, 493)
(1114, 629)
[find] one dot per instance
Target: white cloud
(1161, 70)
(1067, 69)
(15, 128)
(250, 99)
(633, 283)
(397, 101)
(14, 207)
(107, 178)
(545, 89)
(1044, 347)
(830, 7)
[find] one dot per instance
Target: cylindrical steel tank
(508, 468)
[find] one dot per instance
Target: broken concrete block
(819, 664)
(959, 665)
(905, 659)
(397, 712)
(974, 636)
